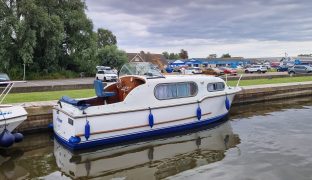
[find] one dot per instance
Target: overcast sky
(248, 28)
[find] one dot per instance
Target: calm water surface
(260, 141)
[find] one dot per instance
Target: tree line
(53, 36)
(173, 56)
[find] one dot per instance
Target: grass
(47, 96)
(270, 81)
(55, 95)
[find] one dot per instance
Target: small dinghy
(10, 118)
(142, 103)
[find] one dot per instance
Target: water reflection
(265, 108)
(8, 169)
(29, 159)
(155, 159)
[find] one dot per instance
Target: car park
(193, 70)
(300, 69)
(256, 68)
(213, 71)
(228, 71)
(282, 68)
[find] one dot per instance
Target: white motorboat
(155, 159)
(142, 103)
(10, 118)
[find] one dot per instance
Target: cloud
(238, 27)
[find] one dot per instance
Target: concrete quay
(40, 113)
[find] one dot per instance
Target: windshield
(109, 72)
(4, 77)
(141, 69)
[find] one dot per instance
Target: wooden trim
(145, 125)
(142, 109)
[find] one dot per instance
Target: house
(157, 59)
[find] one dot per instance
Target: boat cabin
(131, 76)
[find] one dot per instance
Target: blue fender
(227, 103)
(198, 113)
(18, 137)
(150, 119)
(6, 138)
(87, 130)
(74, 139)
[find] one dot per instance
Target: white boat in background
(155, 159)
(10, 117)
(142, 103)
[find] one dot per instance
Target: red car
(228, 71)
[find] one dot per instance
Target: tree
(112, 56)
(105, 37)
(49, 35)
(173, 56)
(227, 55)
(183, 54)
(166, 54)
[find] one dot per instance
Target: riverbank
(87, 83)
(85, 93)
(40, 113)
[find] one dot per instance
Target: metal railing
(7, 89)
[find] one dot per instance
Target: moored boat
(142, 103)
(11, 116)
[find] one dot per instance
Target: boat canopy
(141, 69)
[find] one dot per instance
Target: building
(212, 62)
(157, 59)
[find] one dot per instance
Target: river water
(259, 141)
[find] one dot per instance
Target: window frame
(177, 97)
(216, 85)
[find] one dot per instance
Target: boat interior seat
(99, 90)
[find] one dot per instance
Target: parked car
(106, 75)
(228, 71)
(4, 78)
(282, 68)
(213, 71)
(256, 68)
(193, 70)
(300, 69)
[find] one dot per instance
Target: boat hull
(121, 127)
(135, 136)
(11, 117)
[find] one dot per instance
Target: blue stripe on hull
(136, 136)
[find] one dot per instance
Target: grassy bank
(47, 96)
(271, 81)
(54, 95)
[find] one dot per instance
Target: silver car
(300, 69)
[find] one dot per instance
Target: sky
(245, 28)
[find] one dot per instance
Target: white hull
(11, 116)
(129, 119)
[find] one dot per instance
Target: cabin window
(175, 90)
(219, 86)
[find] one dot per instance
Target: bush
(56, 75)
